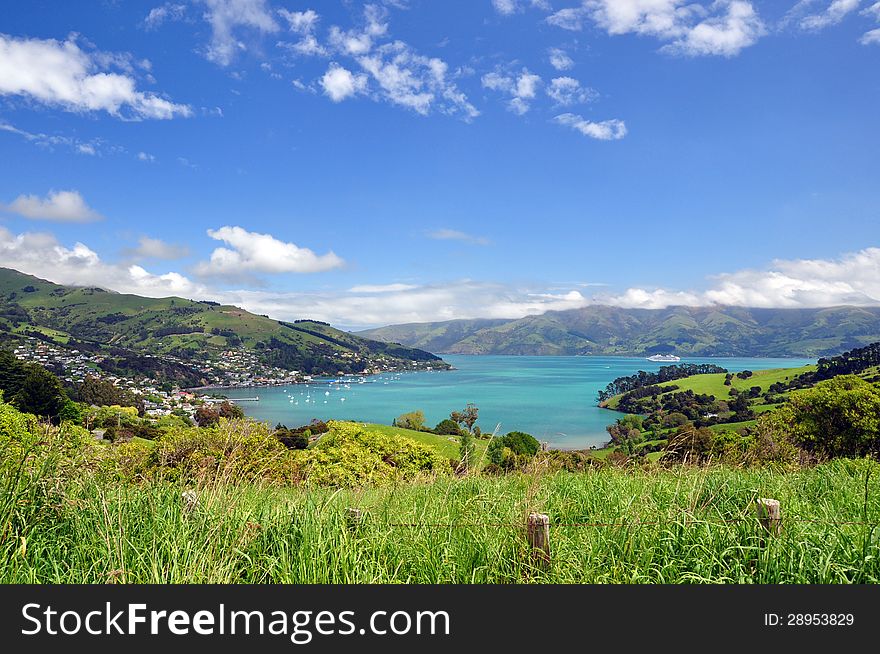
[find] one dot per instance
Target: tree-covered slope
(686, 331)
(186, 329)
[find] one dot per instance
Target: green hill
(176, 331)
(686, 331)
(713, 384)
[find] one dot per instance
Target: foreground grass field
(683, 525)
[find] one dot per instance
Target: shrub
(237, 450)
(838, 417)
(293, 440)
(447, 427)
(350, 455)
(512, 450)
(413, 420)
(689, 444)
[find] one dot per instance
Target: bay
(552, 398)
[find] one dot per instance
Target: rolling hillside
(130, 326)
(686, 331)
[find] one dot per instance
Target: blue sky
(396, 161)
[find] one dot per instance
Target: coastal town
(232, 368)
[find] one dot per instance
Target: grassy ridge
(714, 384)
(687, 331)
(243, 534)
(141, 324)
(445, 445)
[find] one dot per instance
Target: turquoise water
(553, 398)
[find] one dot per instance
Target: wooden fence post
(539, 538)
(353, 519)
(770, 516)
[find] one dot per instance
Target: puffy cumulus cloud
(61, 74)
(566, 91)
(369, 307)
(521, 87)
(41, 254)
(154, 248)
(455, 235)
(606, 130)
(853, 279)
(370, 64)
(252, 252)
(229, 17)
(57, 206)
(340, 83)
(724, 35)
(559, 59)
(723, 27)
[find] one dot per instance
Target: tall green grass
(685, 525)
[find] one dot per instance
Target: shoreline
(313, 380)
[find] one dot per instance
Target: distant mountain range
(685, 331)
(137, 331)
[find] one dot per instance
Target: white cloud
(725, 35)
(872, 36)
(509, 7)
(391, 71)
(144, 156)
(61, 74)
(559, 59)
(724, 27)
(607, 130)
(853, 279)
(93, 147)
(455, 235)
(362, 307)
(57, 206)
(304, 24)
(357, 42)
(164, 13)
(40, 254)
(570, 18)
(301, 22)
(253, 252)
(416, 82)
(566, 91)
(340, 83)
(505, 7)
(381, 288)
(835, 12)
(227, 18)
(154, 248)
(521, 87)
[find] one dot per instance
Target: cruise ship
(664, 357)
